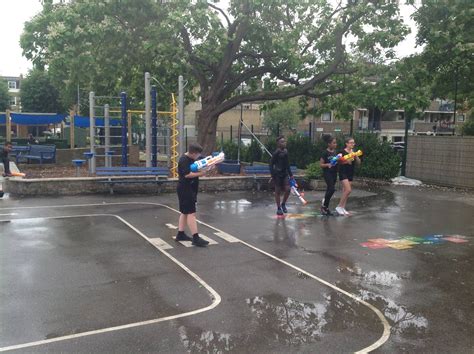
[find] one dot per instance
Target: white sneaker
(346, 212)
(340, 210)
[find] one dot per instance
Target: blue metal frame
(123, 105)
(154, 119)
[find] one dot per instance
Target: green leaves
(38, 94)
(4, 97)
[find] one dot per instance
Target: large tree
(446, 30)
(38, 93)
(4, 97)
(277, 49)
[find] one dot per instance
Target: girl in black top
(329, 172)
(281, 171)
(346, 174)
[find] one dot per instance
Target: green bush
(230, 149)
(313, 171)
(379, 159)
(301, 151)
(254, 152)
(468, 127)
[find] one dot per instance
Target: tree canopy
(38, 94)
(277, 49)
(4, 97)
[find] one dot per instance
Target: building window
(400, 116)
(12, 84)
(13, 101)
(459, 117)
(326, 117)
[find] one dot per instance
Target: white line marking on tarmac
(210, 240)
(10, 214)
(216, 298)
(159, 243)
(171, 226)
(186, 243)
(226, 236)
(386, 326)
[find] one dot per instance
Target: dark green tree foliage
(4, 97)
(38, 94)
(282, 116)
(106, 46)
(446, 29)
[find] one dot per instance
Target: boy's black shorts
(187, 202)
(281, 182)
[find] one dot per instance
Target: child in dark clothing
(187, 190)
(329, 172)
(7, 148)
(280, 171)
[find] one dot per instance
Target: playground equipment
(163, 130)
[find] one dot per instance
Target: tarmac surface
(103, 274)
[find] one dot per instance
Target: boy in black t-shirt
(280, 171)
(187, 190)
(329, 172)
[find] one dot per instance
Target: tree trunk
(207, 127)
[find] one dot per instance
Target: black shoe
(279, 212)
(181, 236)
(283, 208)
(325, 211)
(199, 242)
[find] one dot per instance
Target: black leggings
(330, 179)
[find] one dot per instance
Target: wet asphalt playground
(103, 274)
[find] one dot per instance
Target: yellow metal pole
(174, 140)
(71, 129)
(129, 123)
(8, 126)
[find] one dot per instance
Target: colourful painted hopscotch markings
(409, 241)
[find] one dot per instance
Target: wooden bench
(160, 173)
(262, 172)
(41, 153)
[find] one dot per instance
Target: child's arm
(195, 174)
(322, 164)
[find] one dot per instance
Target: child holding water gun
(346, 175)
(187, 190)
(280, 171)
(329, 172)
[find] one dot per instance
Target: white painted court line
(171, 226)
(386, 326)
(216, 298)
(10, 214)
(225, 236)
(208, 239)
(159, 243)
(186, 243)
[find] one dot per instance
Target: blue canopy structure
(3, 118)
(84, 122)
(36, 118)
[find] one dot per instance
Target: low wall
(92, 185)
(65, 156)
(446, 160)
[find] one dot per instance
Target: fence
(440, 160)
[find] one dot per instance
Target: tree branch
(222, 12)
(192, 58)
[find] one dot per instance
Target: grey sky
(16, 12)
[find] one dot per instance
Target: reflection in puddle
(233, 206)
(279, 321)
(402, 320)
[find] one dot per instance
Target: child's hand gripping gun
(335, 159)
(351, 156)
(207, 162)
(294, 191)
